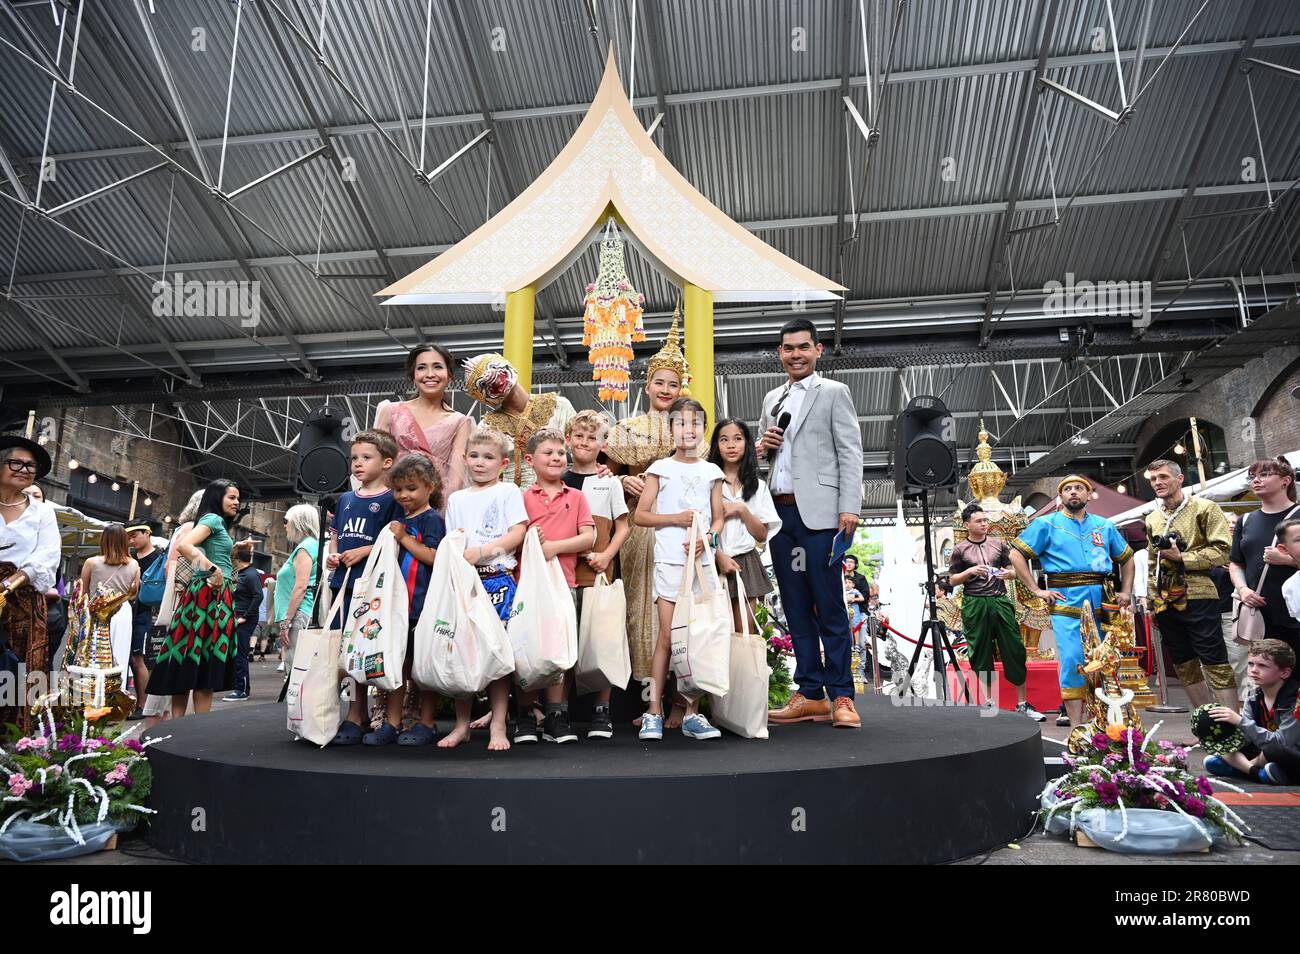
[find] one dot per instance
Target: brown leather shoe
(846, 716)
(800, 709)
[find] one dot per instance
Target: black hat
(43, 464)
(1217, 738)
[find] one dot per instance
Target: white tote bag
(701, 627)
(375, 630)
(604, 660)
(312, 699)
(543, 624)
(743, 710)
(460, 641)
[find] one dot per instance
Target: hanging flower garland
(612, 321)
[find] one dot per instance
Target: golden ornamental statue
(1006, 521)
(1108, 704)
(96, 688)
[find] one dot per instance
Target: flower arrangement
(1120, 770)
(68, 774)
(779, 647)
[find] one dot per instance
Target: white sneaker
(280, 668)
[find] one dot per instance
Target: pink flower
(19, 786)
(92, 744)
(118, 774)
(30, 742)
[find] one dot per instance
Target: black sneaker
(235, 697)
(556, 728)
(601, 725)
(526, 729)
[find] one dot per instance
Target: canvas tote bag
(460, 642)
(312, 699)
(543, 625)
(604, 660)
(701, 636)
(743, 710)
(375, 628)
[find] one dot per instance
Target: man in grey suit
(811, 438)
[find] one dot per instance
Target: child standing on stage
(678, 491)
(361, 514)
(749, 514)
(566, 528)
(587, 431)
(493, 517)
(418, 491)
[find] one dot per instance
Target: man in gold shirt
(1189, 535)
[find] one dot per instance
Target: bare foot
(482, 722)
(455, 737)
(497, 741)
(674, 720)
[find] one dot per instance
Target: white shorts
(668, 581)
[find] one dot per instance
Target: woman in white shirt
(30, 550)
(750, 514)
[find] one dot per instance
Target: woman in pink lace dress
(427, 424)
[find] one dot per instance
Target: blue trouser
(812, 595)
(243, 638)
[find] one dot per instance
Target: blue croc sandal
(349, 733)
(1271, 774)
(1218, 765)
(418, 734)
(384, 735)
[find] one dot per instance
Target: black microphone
(782, 422)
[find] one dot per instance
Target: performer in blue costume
(1077, 551)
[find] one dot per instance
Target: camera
(1167, 541)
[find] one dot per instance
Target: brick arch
(1277, 414)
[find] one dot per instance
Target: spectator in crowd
(851, 571)
(56, 610)
(295, 595)
(248, 602)
(271, 626)
(1237, 651)
(1271, 753)
(30, 550)
(1254, 549)
(140, 537)
(1288, 538)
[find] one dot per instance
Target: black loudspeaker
(323, 465)
(925, 447)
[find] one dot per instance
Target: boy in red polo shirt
(563, 519)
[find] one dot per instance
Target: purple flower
(91, 773)
(1203, 786)
(1108, 792)
(1111, 760)
(134, 745)
(1141, 767)
(70, 743)
(1194, 806)
(1100, 741)
(1165, 744)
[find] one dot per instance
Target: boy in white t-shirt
(1288, 539)
(678, 491)
(493, 517)
(586, 432)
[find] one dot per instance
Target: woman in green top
(199, 655)
(295, 597)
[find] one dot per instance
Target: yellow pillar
(518, 348)
(699, 347)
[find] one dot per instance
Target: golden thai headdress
(670, 356)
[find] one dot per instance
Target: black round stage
(915, 785)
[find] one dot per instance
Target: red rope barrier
(959, 642)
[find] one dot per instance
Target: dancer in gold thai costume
(633, 445)
(493, 381)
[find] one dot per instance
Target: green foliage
(779, 647)
(868, 552)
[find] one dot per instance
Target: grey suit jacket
(826, 447)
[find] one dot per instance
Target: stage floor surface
(915, 784)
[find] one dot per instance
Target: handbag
(460, 642)
(743, 710)
(604, 659)
(312, 694)
(375, 629)
(701, 628)
(1248, 621)
(543, 625)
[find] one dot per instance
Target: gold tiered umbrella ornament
(612, 321)
(1006, 521)
(96, 688)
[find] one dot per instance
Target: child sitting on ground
(1271, 753)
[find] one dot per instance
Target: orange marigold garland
(612, 321)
